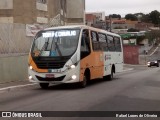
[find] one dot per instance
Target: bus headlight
(30, 77)
(73, 66)
(30, 67)
(74, 77)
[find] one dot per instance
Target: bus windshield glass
(55, 43)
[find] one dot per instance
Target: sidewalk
(15, 84)
(127, 69)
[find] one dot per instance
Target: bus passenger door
(85, 51)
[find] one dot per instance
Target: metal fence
(13, 39)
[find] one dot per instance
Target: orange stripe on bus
(32, 63)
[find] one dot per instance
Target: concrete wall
(6, 19)
(75, 11)
(6, 4)
(30, 12)
(54, 8)
(75, 8)
(15, 39)
(24, 11)
(13, 68)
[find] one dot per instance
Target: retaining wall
(13, 68)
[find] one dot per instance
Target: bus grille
(50, 64)
(50, 79)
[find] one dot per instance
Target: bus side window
(85, 44)
(95, 41)
(103, 41)
(110, 41)
(117, 43)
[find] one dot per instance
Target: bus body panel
(113, 58)
(94, 62)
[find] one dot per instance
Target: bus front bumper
(70, 76)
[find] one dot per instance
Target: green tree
(146, 18)
(139, 16)
(155, 17)
(131, 17)
(115, 16)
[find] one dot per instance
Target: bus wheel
(110, 77)
(83, 83)
(44, 85)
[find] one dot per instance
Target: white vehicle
(70, 54)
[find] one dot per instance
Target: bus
(74, 54)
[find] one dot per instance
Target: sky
(122, 7)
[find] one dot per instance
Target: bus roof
(82, 27)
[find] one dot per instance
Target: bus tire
(44, 85)
(83, 83)
(110, 77)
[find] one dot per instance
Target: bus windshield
(55, 43)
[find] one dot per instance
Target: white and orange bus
(70, 54)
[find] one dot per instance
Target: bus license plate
(49, 75)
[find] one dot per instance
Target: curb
(135, 65)
(15, 87)
(129, 69)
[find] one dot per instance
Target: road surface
(136, 90)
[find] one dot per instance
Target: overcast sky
(122, 7)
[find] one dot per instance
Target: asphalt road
(136, 90)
